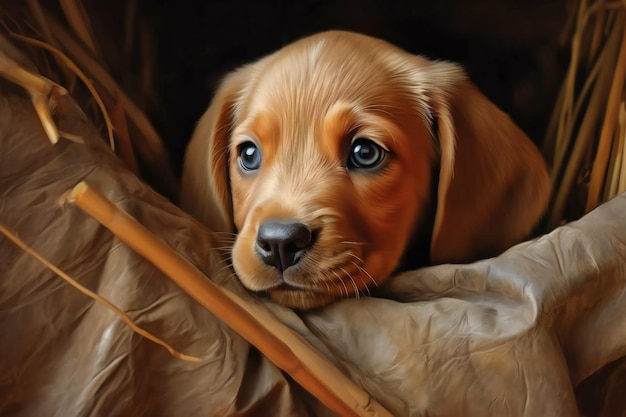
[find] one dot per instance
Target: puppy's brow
(345, 122)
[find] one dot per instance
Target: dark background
(512, 49)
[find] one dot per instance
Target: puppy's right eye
(366, 154)
(249, 156)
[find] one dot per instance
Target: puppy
(333, 157)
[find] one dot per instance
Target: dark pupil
(249, 154)
(365, 154)
(250, 157)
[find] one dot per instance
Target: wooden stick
(279, 344)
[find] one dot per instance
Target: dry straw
(80, 74)
(76, 53)
(42, 92)
(585, 140)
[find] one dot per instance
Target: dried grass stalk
(41, 23)
(80, 74)
(79, 21)
(599, 171)
(621, 166)
(13, 72)
(154, 146)
(579, 145)
(42, 92)
(40, 102)
(278, 343)
(18, 242)
(146, 141)
(577, 157)
(40, 18)
(126, 152)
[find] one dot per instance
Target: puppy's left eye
(365, 154)
(249, 156)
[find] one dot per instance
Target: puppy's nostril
(264, 245)
(299, 237)
(282, 243)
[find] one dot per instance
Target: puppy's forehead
(312, 75)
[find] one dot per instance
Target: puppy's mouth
(295, 288)
(283, 283)
(300, 278)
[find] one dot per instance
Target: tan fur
(303, 106)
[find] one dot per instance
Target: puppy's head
(321, 157)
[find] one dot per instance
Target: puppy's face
(329, 167)
(320, 157)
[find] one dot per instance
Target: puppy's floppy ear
(205, 190)
(493, 182)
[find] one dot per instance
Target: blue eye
(365, 154)
(249, 156)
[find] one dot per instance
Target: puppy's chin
(299, 299)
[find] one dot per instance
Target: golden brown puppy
(332, 156)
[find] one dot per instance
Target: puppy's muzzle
(282, 243)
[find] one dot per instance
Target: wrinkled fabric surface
(537, 331)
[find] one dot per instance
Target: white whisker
(350, 242)
(362, 269)
(367, 289)
(357, 293)
(342, 283)
(234, 235)
(340, 289)
(227, 265)
(222, 248)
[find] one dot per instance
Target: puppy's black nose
(281, 243)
